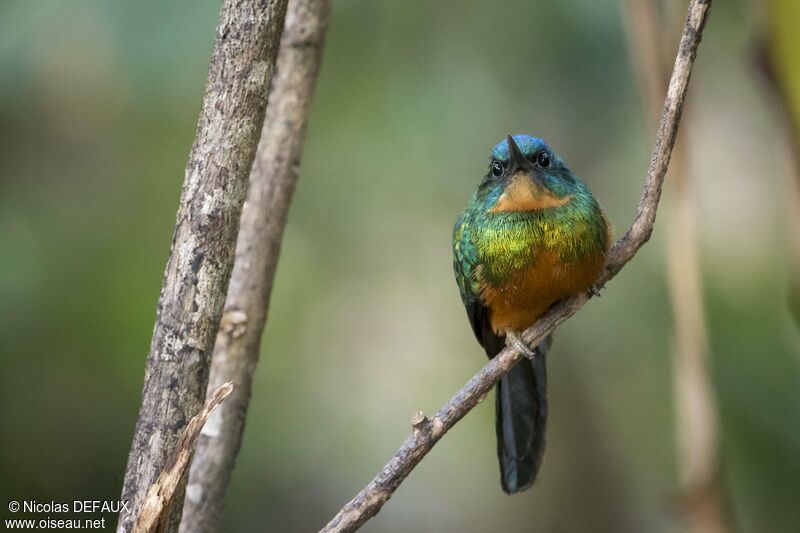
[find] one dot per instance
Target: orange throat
(524, 194)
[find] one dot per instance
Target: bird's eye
(497, 169)
(543, 159)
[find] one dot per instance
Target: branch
(156, 506)
(272, 182)
(428, 431)
(696, 418)
(202, 253)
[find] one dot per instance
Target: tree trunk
(272, 183)
(202, 252)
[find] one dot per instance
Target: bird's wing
(467, 271)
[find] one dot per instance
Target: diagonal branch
(696, 418)
(272, 182)
(427, 432)
(156, 506)
(202, 253)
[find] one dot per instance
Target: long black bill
(516, 159)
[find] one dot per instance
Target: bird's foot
(594, 290)
(514, 340)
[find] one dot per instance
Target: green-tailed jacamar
(532, 234)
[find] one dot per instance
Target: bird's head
(525, 175)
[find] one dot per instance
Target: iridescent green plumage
(531, 234)
(502, 243)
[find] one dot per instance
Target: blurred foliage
(784, 16)
(98, 103)
(783, 48)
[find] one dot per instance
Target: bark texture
(427, 432)
(272, 182)
(156, 506)
(202, 252)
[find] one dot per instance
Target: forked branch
(427, 432)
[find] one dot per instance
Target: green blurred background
(98, 104)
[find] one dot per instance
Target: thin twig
(425, 435)
(697, 423)
(203, 246)
(272, 182)
(156, 506)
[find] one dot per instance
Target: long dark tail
(521, 417)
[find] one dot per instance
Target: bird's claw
(594, 290)
(514, 340)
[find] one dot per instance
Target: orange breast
(518, 303)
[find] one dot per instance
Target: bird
(531, 235)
